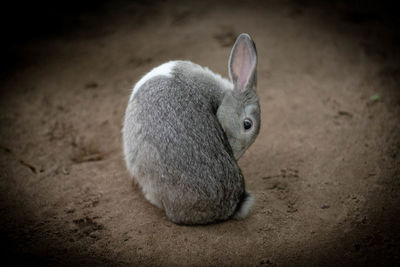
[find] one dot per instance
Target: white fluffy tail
(244, 207)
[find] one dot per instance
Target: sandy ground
(324, 170)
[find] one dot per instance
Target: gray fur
(181, 135)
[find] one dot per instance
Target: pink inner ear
(242, 65)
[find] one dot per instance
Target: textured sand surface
(324, 170)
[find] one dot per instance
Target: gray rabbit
(185, 128)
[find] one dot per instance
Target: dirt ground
(324, 170)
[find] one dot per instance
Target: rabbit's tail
(244, 206)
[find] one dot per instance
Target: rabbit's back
(176, 148)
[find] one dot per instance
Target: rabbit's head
(239, 112)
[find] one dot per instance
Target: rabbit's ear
(243, 63)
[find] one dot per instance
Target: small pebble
(291, 209)
(65, 171)
(94, 234)
(69, 209)
(325, 206)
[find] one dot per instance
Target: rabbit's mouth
(239, 154)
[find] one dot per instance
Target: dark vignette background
(22, 22)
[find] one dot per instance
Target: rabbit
(185, 127)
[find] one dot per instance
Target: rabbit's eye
(247, 124)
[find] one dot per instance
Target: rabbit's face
(239, 112)
(239, 116)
